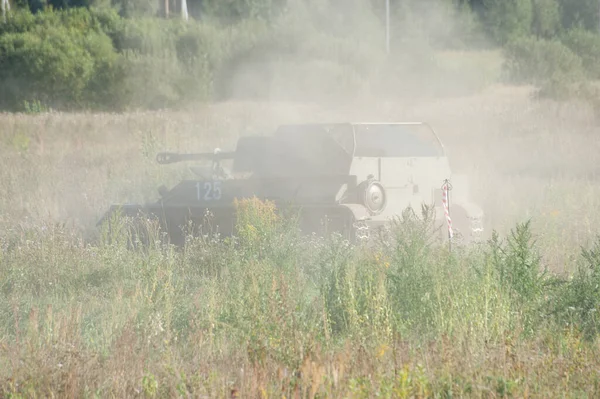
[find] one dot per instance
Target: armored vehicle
(349, 177)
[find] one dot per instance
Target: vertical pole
(3, 4)
(184, 10)
(387, 26)
(449, 233)
(166, 8)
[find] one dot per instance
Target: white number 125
(208, 191)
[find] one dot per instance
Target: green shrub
(321, 314)
(586, 45)
(94, 59)
(518, 269)
(78, 19)
(233, 11)
(145, 36)
(18, 21)
(63, 59)
(508, 20)
(54, 69)
(79, 58)
(518, 264)
(106, 87)
(578, 304)
(579, 13)
(546, 18)
(537, 61)
(136, 8)
(411, 267)
(150, 81)
(201, 41)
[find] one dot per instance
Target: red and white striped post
(446, 187)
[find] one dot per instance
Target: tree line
(122, 54)
(502, 19)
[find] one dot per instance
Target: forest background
(131, 54)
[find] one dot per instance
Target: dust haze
(525, 158)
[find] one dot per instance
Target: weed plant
(271, 313)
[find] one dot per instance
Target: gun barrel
(164, 158)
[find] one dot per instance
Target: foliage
(277, 314)
(102, 61)
(587, 46)
(233, 10)
(517, 264)
(60, 59)
(546, 18)
(34, 107)
(119, 56)
(580, 14)
(579, 302)
(311, 314)
(508, 20)
(540, 60)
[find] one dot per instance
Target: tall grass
(270, 314)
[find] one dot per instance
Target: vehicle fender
(359, 212)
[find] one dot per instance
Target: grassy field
(273, 315)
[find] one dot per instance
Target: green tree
(586, 45)
(546, 18)
(53, 68)
(580, 13)
(234, 10)
(506, 20)
(136, 8)
(62, 58)
(539, 61)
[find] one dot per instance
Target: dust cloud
(525, 158)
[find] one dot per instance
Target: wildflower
(381, 351)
